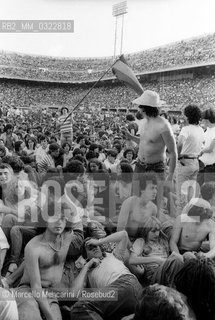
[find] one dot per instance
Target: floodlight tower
(119, 10)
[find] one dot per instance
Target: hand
(126, 132)
(94, 242)
(93, 263)
(159, 260)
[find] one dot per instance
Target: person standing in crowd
(66, 126)
(42, 150)
(155, 137)
(207, 155)
(190, 142)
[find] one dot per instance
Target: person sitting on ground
(150, 253)
(110, 274)
(135, 209)
(44, 259)
(192, 227)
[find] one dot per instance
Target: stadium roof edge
(199, 65)
(105, 57)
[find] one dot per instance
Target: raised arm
(121, 238)
(32, 266)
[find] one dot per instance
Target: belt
(148, 164)
(187, 157)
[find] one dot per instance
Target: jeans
(165, 273)
(129, 293)
(28, 307)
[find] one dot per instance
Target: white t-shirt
(108, 271)
(194, 138)
(209, 158)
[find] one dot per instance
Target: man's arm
(181, 140)
(135, 260)
(79, 282)
(169, 140)
(209, 149)
(176, 232)
(124, 215)
(121, 238)
(211, 254)
(32, 267)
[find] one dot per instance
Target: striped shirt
(45, 163)
(67, 125)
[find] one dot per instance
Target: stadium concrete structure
(182, 72)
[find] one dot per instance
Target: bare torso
(137, 214)
(50, 270)
(152, 147)
(193, 234)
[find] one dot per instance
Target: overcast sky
(147, 24)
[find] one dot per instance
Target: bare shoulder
(33, 246)
(211, 224)
(152, 206)
(164, 123)
(130, 201)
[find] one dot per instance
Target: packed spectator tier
(184, 53)
(177, 93)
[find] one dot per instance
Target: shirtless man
(192, 227)
(156, 136)
(135, 209)
(45, 255)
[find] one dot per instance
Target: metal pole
(88, 92)
(114, 55)
(122, 33)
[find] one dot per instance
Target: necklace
(61, 243)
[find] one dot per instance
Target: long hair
(196, 280)
(149, 224)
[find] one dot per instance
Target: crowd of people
(175, 93)
(107, 217)
(184, 53)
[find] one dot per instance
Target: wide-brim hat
(149, 98)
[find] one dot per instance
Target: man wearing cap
(156, 136)
(192, 227)
(66, 130)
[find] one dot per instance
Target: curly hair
(193, 114)
(196, 280)
(160, 303)
(151, 112)
(209, 115)
(208, 190)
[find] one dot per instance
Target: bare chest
(192, 232)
